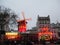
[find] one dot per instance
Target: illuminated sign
(11, 35)
(45, 35)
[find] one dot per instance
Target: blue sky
(33, 8)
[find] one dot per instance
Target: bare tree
(7, 17)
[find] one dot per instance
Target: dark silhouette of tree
(7, 17)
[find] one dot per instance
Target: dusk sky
(33, 8)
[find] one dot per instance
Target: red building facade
(43, 26)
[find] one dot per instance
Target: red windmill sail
(22, 24)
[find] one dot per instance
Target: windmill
(22, 24)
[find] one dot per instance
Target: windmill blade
(28, 19)
(25, 19)
(23, 15)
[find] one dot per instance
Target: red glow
(22, 29)
(44, 29)
(22, 26)
(47, 34)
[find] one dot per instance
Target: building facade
(56, 29)
(56, 26)
(43, 22)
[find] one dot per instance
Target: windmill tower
(22, 24)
